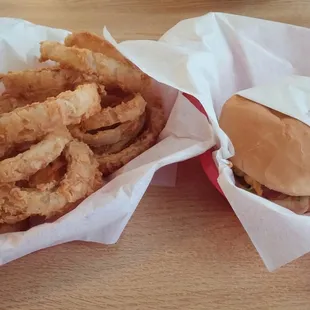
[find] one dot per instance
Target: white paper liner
(103, 216)
(216, 56)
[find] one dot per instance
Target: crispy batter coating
(111, 71)
(8, 103)
(33, 121)
(110, 162)
(39, 219)
(124, 112)
(96, 44)
(50, 176)
(18, 203)
(39, 84)
(25, 164)
(107, 137)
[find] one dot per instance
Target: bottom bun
(299, 205)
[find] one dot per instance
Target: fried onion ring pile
(64, 128)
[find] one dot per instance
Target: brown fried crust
(33, 121)
(25, 164)
(18, 203)
(111, 71)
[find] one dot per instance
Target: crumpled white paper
(103, 216)
(289, 95)
(220, 55)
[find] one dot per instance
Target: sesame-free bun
(270, 147)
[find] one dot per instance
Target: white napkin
(103, 216)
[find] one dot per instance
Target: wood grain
(184, 248)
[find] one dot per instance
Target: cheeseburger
(272, 152)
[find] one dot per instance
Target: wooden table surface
(184, 248)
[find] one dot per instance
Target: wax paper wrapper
(103, 216)
(220, 55)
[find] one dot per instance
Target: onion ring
(109, 163)
(18, 203)
(37, 219)
(39, 84)
(50, 81)
(33, 121)
(124, 112)
(110, 71)
(37, 157)
(96, 44)
(48, 177)
(8, 103)
(125, 131)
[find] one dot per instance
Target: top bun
(270, 147)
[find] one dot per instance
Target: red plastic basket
(206, 158)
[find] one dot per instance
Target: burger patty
(249, 184)
(297, 204)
